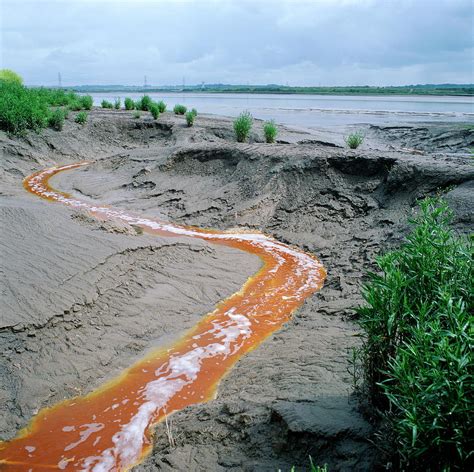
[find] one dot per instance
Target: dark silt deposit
(84, 299)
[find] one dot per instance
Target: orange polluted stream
(110, 428)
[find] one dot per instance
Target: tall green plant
(242, 126)
(417, 352)
(270, 130)
(129, 104)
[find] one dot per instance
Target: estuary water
(318, 110)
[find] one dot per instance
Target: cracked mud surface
(81, 299)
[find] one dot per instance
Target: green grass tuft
(179, 109)
(242, 126)
(270, 130)
(106, 104)
(86, 102)
(56, 119)
(161, 106)
(136, 114)
(354, 140)
(190, 116)
(417, 353)
(129, 104)
(81, 117)
(154, 110)
(117, 104)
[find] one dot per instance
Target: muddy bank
(83, 300)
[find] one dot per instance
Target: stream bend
(110, 428)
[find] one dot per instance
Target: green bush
(86, 102)
(81, 117)
(417, 353)
(56, 119)
(270, 130)
(117, 104)
(154, 110)
(136, 114)
(190, 118)
(129, 104)
(8, 75)
(194, 112)
(21, 109)
(76, 105)
(179, 109)
(144, 104)
(354, 140)
(161, 106)
(242, 126)
(106, 104)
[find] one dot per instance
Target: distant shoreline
(435, 90)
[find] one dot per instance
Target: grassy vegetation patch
(179, 109)
(81, 117)
(354, 140)
(417, 353)
(242, 126)
(270, 131)
(129, 104)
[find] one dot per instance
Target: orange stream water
(110, 428)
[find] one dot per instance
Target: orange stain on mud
(110, 428)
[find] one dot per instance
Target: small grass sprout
(136, 114)
(179, 109)
(81, 117)
(270, 131)
(117, 104)
(354, 140)
(242, 126)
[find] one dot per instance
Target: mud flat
(82, 300)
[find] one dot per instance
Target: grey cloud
(301, 42)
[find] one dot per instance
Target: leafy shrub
(21, 109)
(270, 130)
(354, 140)
(144, 104)
(161, 106)
(129, 104)
(417, 354)
(190, 118)
(179, 109)
(242, 126)
(86, 102)
(136, 114)
(76, 105)
(117, 104)
(9, 76)
(81, 117)
(56, 119)
(154, 110)
(106, 104)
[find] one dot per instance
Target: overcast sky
(314, 42)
